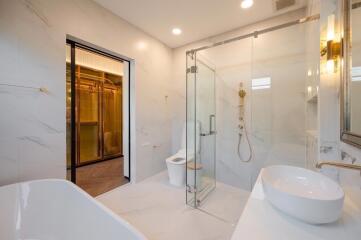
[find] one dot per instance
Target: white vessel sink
(303, 194)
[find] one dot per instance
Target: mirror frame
(346, 135)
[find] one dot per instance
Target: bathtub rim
(112, 214)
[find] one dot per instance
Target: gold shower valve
(242, 93)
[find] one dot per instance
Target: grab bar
(211, 117)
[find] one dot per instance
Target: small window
(261, 83)
(356, 74)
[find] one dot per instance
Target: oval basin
(303, 194)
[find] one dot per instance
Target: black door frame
(73, 44)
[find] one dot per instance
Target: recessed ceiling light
(176, 31)
(246, 3)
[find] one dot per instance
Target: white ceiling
(198, 19)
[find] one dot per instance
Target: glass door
(94, 104)
(278, 127)
(70, 136)
(191, 134)
(98, 107)
(201, 130)
(88, 87)
(112, 115)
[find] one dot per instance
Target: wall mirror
(351, 74)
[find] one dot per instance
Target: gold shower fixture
(242, 93)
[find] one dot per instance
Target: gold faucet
(339, 164)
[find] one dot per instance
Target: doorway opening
(97, 118)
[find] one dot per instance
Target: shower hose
(248, 143)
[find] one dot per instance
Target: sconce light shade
(331, 27)
(333, 48)
(330, 66)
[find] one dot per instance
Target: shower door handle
(212, 119)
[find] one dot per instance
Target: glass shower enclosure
(201, 130)
(269, 65)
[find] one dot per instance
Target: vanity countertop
(261, 221)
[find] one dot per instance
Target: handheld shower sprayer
(242, 126)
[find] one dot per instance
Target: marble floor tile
(159, 210)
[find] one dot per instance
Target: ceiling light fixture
(246, 4)
(176, 31)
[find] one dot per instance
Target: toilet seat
(178, 158)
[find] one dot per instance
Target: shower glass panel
(233, 62)
(279, 72)
(262, 82)
(201, 130)
(206, 118)
(190, 128)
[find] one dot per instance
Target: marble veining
(32, 8)
(35, 140)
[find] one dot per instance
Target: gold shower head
(242, 93)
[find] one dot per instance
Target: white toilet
(176, 164)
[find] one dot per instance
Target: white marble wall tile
(32, 124)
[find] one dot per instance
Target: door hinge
(191, 189)
(192, 69)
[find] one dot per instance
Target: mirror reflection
(354, 120)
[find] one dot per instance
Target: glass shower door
(201, 130)
(279, 126)
(191, 129)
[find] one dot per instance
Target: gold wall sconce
(332, 50)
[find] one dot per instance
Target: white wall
(32, 124)
(328, 104)
(313, 68)
(276, 127)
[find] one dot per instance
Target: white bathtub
(57, 210)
